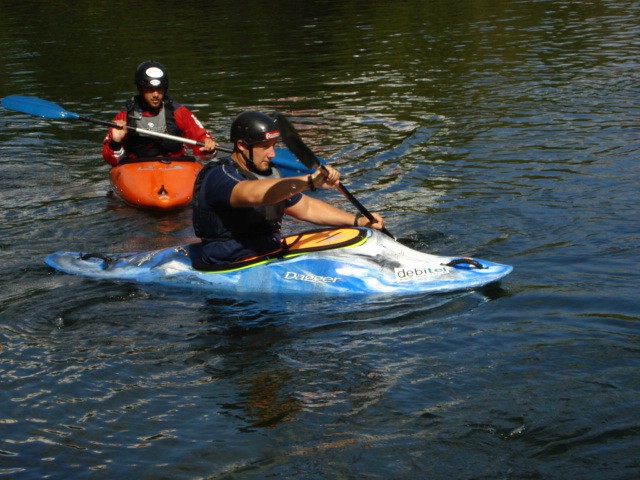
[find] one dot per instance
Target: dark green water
(503, 130)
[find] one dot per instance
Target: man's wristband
(115, 146)
(356, 218)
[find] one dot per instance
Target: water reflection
(252, 346)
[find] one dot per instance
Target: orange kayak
(160, 183)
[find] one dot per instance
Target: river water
(505, 130)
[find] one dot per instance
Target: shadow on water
(63, 302)
(250, 345)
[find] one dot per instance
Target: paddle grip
(354, 201)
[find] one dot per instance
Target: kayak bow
(155, 183)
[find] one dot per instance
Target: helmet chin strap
(250, 165)
(248, 161)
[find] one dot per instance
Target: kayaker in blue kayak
(153, 109)
(239, 201)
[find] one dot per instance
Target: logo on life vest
(197, 121)
(407, 274)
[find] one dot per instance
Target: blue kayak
(331, 261)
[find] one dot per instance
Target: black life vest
(144, 146)
(244, 224)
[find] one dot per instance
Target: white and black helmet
(151, 74)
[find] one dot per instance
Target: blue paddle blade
(37, 106)
(289, 166)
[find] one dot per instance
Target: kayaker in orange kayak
(153, 109)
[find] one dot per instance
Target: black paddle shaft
(294, 142)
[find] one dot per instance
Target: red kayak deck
(164, 183)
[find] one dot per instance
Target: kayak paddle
(294, 142)
(44, 108)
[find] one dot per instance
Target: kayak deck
(164, 183)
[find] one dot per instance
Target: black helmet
(254, 127)
(151, 74)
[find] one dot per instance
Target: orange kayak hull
(157, 183)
